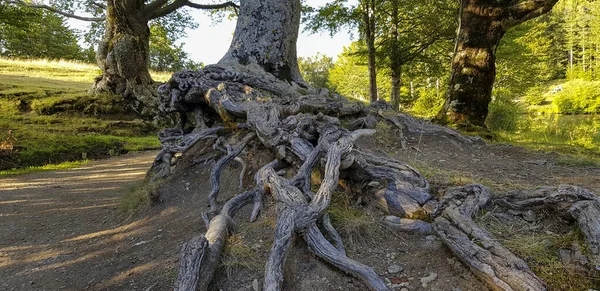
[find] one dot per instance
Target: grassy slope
(53, 120)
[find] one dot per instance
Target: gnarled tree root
(570, 202)
(304, 133)
(489, 260)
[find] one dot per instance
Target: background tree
(32, 33)
(394, 32)
(337, 14)
(165, 54)
(315, 70)
(123, 52)
(410, 28)
(482, 26)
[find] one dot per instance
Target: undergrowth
(138, 196)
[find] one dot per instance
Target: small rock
(374, 184)
(395, 269)
(432, 242)
(256, 285)
(428, 279)
(387, 282)
(256, 247)
(529, 216)
(404, 289)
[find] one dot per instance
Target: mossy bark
(123, 57)
(474, 63)
(482, 25)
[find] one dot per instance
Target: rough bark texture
(570, 202)
(482, 25)
(123, 57)
(478, 249)
(265, 35)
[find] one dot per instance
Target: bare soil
(61, 230)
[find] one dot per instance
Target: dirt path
(58, 227)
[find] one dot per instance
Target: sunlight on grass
(44, 168)
(577, 136)
(62, 70)
(49, 118)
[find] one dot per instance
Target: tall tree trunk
(473, 64)
(369, 21)
(268, 44)
(395, 64)
(482, 25)
(123, 57)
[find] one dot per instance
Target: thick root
(489, 260)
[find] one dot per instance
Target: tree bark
(265, 35)
(123, 57)
(474, 63)
(396, 65)
(482, 25)
(369, 23)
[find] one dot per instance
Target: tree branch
(523, 11)
(156, 9)
(52, 9)
(228, 4)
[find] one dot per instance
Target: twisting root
(216, 171)
(302, 131)
(488, 259)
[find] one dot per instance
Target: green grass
(577, 137)
(49, 167)
(53, 120)
(59, 70)
(138, 196)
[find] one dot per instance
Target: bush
(578, 97)
(503, 112)
(428, 103)
(535, 96)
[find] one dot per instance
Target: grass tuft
(138, 197)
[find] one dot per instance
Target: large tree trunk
(482, 25)
(265, 35)
(474, 63)
(123, 57)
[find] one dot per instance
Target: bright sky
(219, 37)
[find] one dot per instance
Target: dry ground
(61, 230)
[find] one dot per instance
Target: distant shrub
(535, 96)
(428, 103)
(578, 97)
(503, 112)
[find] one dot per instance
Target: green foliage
(429, 102)
(503, 112)
(165, 55)
(524, 57)
(578, 97)
(36, 33)
(44, 168)
(138, 196)
(315, 70)
(350, 75)
(574, 135)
